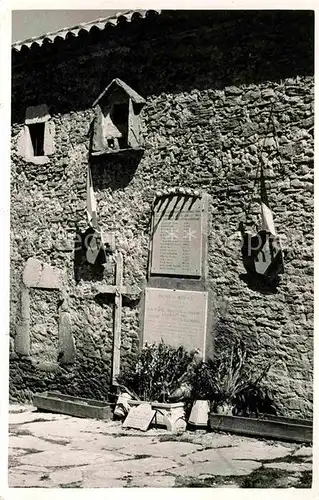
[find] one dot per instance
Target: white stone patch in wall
(39, 275)
(44, 329)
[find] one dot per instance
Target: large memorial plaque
(177, 237)
(177, 316)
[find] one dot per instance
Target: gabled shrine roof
(130, 92)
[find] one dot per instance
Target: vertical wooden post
(117, 317)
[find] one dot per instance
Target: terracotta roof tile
(100, 24)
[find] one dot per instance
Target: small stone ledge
(47, 366)
(37, 160)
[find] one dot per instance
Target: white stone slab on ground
(259, 450)
(30, 468)
(153, 481)
(72, 475)
(93, 455)
(96, 443)
(27, 479)
(119, 469)
(66, 428)
(34, 443)
(304, 451)
(101, 480)
(166, 449)
(118, 443)
(218, 467)
(30, 416)
(65, 458)
(290, 467)
(212, 439)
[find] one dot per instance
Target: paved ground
(52, 451)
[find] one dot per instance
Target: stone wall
(206, 125)
(44, 334)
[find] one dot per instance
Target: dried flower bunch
(158, 371)
(231, 380)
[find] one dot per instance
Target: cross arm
(118, 290)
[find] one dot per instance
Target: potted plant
(233, 384)
(240, 400)
(160, 374)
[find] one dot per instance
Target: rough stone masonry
(210, 81)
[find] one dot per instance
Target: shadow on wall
(263, 260)
(83, 270)
(261, 284)
(201, 50)
(88, 377)
(103, 299)
(114, 171)
(226, 334)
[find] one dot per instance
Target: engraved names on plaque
(177, 316)
(177, 237)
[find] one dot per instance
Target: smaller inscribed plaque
(140, 417)
(177, 236)
(178, 317)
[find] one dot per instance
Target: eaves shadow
(177, 52)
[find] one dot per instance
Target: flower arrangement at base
(233, 384)
(159, 372)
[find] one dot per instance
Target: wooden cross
(117, 290)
